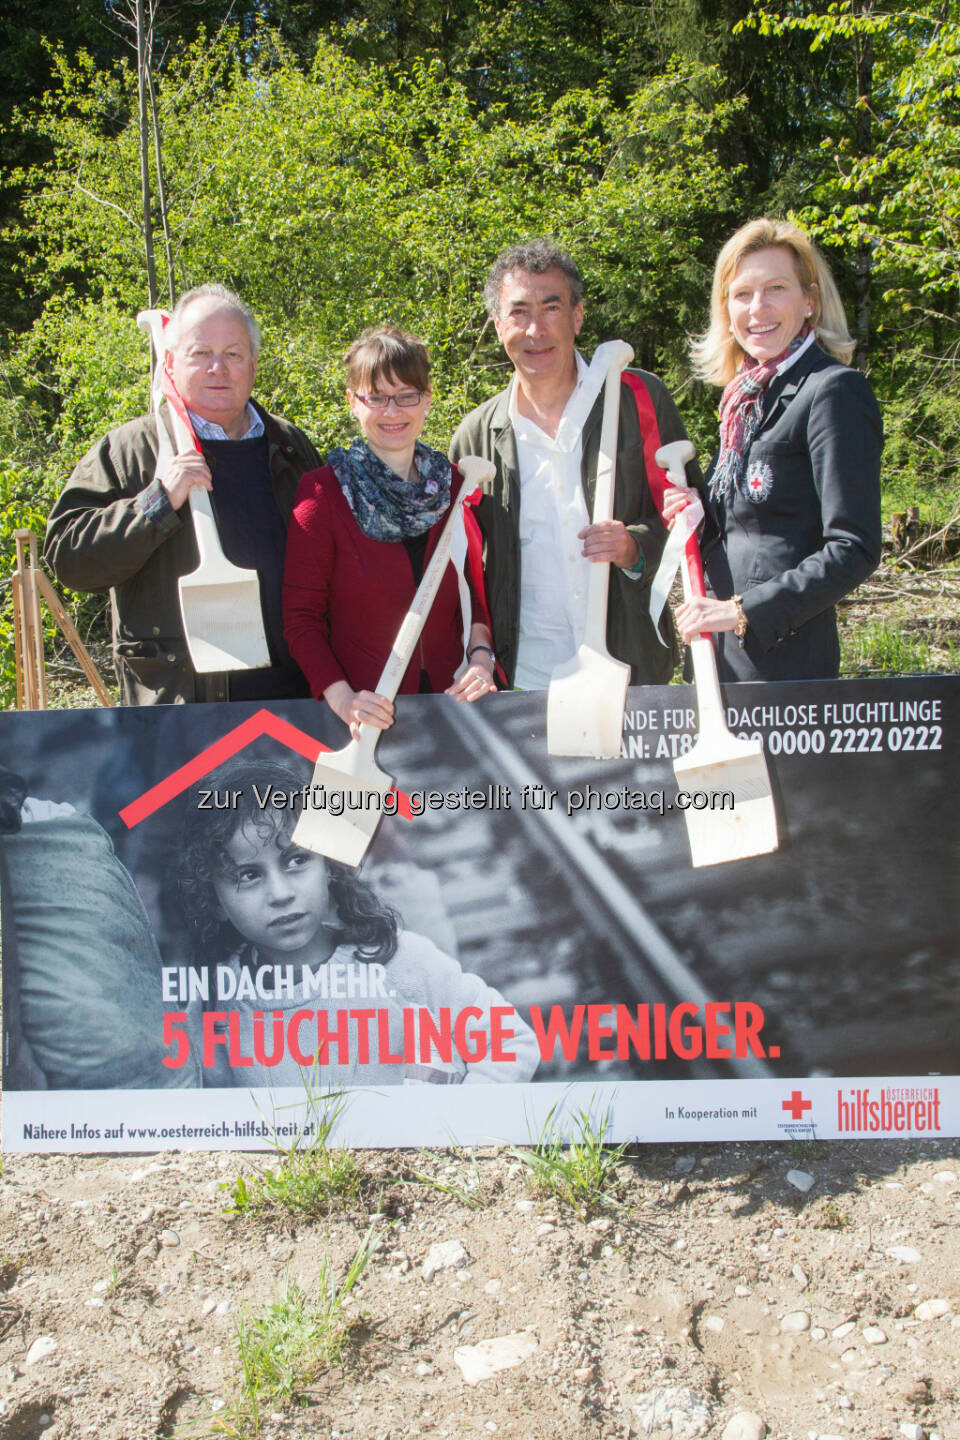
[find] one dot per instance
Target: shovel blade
(359, 790)
(721, 763)
(223, 623)
(585, 705)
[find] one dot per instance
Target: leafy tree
(356, 194)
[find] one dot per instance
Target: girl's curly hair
(362, 919)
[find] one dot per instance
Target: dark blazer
(345, 595)
(810, 530)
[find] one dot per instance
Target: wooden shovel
(219, 601)
(352, 773)
(718, 762)
(588, 693)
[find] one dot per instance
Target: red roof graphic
(264, 722)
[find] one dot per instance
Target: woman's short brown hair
(386, 352)
(716, 354)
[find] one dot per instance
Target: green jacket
(111, 529)
(487, 432)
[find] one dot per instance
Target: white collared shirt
(553, 510)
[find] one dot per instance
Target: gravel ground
(708, 1296)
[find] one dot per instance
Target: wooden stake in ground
(31, 673)
(30, 584)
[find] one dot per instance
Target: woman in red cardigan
(362, 530)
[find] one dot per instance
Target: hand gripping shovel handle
(673, 458)
(475, 472)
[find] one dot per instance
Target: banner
(524, 933)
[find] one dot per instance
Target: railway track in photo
(556, 909)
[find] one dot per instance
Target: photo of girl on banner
(262, 906)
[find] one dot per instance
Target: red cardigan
(345, 595)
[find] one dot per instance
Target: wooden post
(31, 629)
(29, 584)
(69, 632)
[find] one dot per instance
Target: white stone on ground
(800, 1180)
(488, 1357)
(745, 1425)
(43, 1346)
(444, 1255)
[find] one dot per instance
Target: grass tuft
(882, 649)
(459, 1177)
(832, 1217)
(282, 1351)
(576, 1166)
(311, 1177)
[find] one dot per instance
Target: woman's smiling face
(393, 429)
(275, 894)
(766, 303)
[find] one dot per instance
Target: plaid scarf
(385, 506)
(741, 410)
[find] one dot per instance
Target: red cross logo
(756, 483)
(796, 1105)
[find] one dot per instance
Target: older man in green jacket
(543, 434)
(119, 527)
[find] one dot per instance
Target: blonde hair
(716, 354)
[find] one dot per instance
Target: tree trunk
(863, 263)
(161, 190)
(144, 35)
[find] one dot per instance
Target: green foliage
(573, 1164)
(284, 1349)
(347, 196)
(21, 507)
(311, 1176)
(879, 648)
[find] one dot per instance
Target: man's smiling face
(537, 323)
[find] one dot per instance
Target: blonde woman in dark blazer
(794, 490)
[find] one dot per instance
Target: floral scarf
(741, 410)
(385, 506)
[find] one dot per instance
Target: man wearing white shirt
(117, 526)
(543, 434)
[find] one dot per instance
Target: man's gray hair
(536, 257)
(228, 301)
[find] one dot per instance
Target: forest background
(342, 165)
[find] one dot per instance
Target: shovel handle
(709, 696)
(598, 578)
(474, 471)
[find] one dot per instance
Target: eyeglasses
(406, 400)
